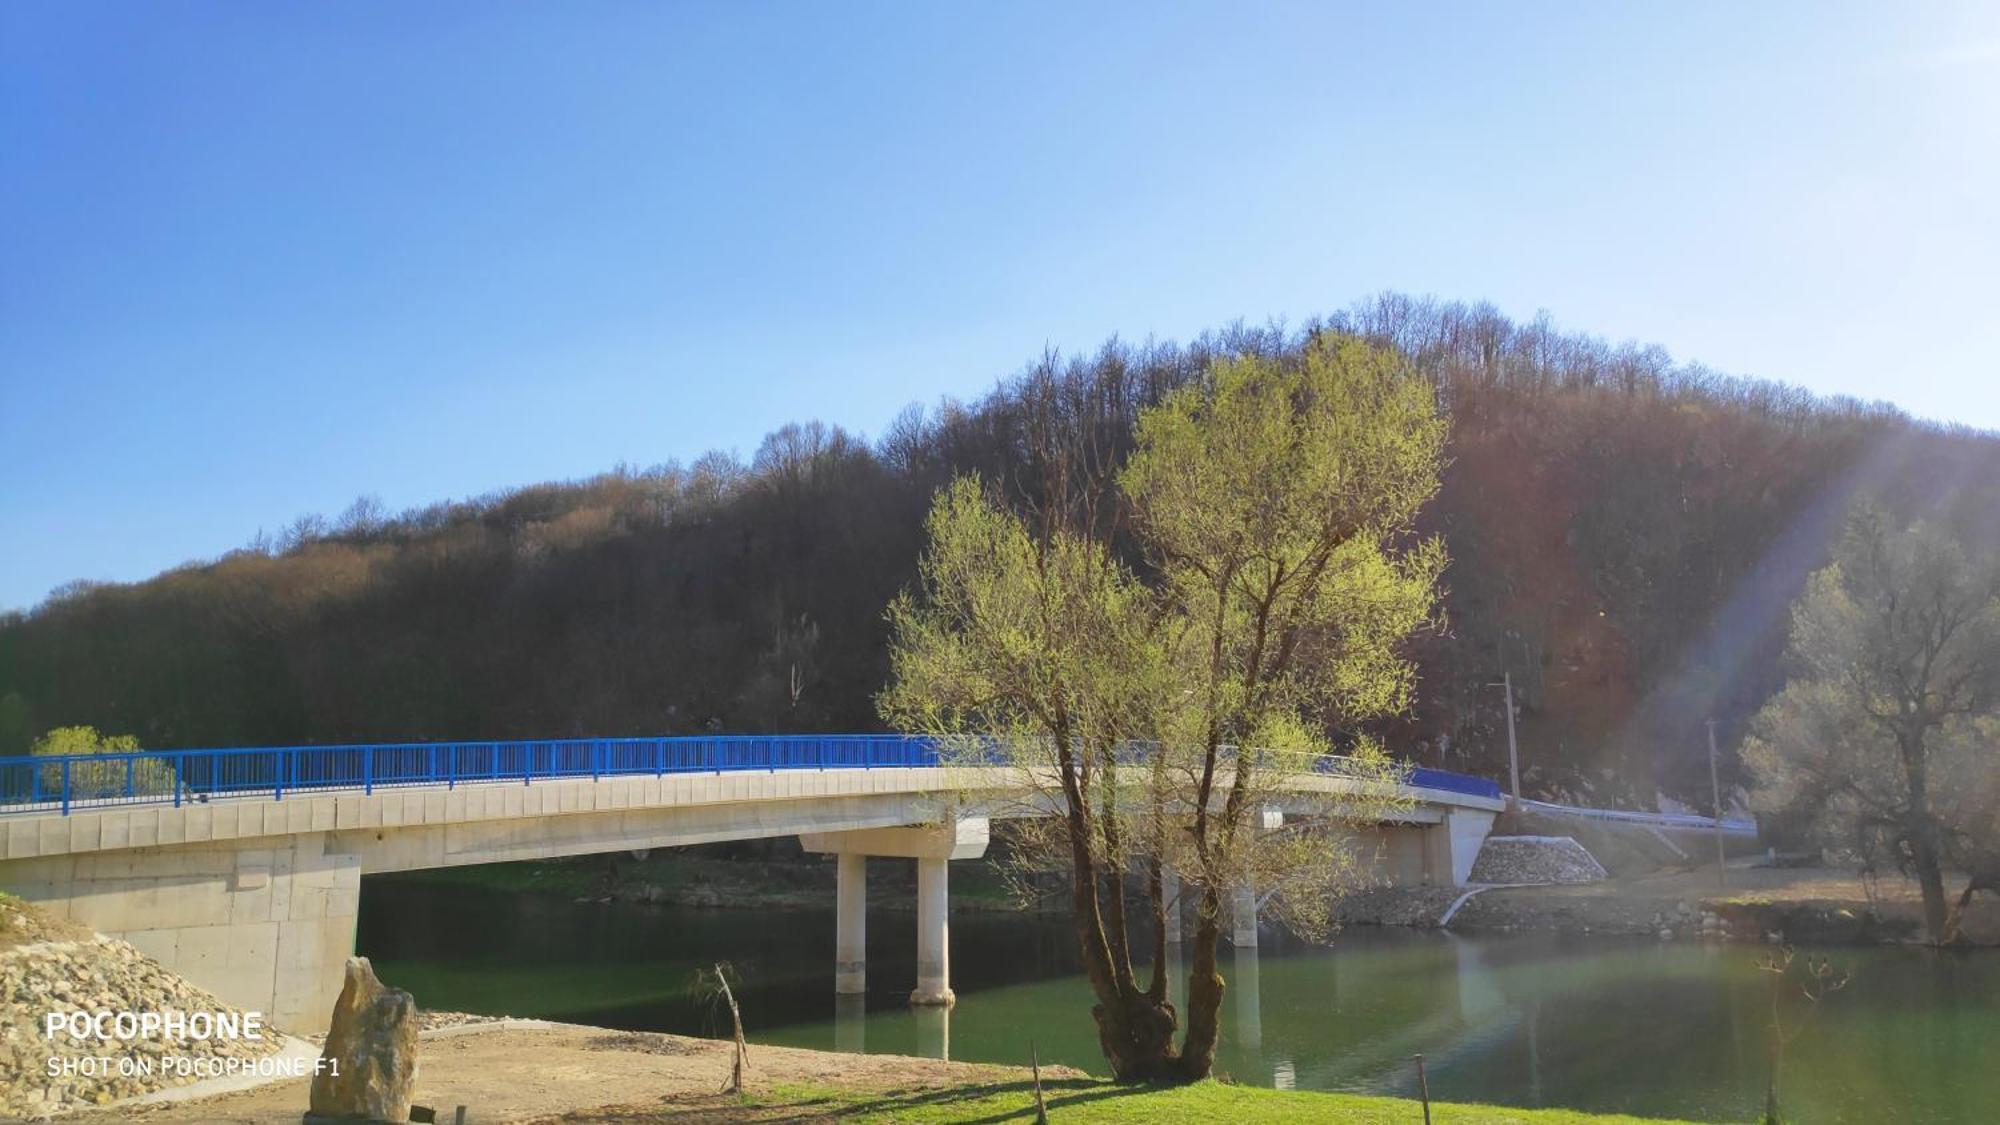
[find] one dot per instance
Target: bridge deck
(66, 783)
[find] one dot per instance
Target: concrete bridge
(241, 869)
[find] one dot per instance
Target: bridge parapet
(65, 783)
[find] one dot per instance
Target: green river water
(1612, 1024)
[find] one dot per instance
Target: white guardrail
(1734, 827)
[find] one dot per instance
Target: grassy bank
(1085, 1101)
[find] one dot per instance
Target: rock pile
(1535, 859)
(86, 973)
(1687, 919)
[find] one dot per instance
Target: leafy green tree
(146, 777)
(1272, 503)
(83, 740)
(1882, 740)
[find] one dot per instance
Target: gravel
(93, 974)
(432, 1021)
(1535, 859)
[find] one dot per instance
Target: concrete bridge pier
(933, 934)
(933, 846)
(850, 943)
(1243, 897)
(1243, 915)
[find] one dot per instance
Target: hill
(1627, 534)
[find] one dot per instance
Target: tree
(150, 777)
(1876, 740)
(1165, 710)
(1973, 845)
(82, 740)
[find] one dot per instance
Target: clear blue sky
(257, 259)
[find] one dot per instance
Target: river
(1611, 1024)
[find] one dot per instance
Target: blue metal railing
(66, 782)
(73, 781)
(1425, 778)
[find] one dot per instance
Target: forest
(1626, 536)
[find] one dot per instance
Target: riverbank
(589, 1076)
(1802, 906)
(1798, 906)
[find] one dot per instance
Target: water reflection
(1479, 995)
(933, 1031)
(1634, 1026)
(1247, 992)
(850, 1023)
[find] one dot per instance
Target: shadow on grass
(1080, 1091)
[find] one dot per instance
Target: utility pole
(1513, 749)
(1715, 786)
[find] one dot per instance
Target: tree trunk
(1931, 879)
(1205, 987)
(1135, 1031)
(1954, 924)
(1923, 838)
(1136, 1034)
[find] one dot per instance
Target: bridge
(240, 869)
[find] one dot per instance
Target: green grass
(1083, 1101)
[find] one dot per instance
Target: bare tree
(1811, 980)
(1883, 736)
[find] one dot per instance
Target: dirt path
(578, 1074)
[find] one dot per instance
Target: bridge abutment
(1453, 844)
(266, 928)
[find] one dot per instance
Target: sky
(258, 259)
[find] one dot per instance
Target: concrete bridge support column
(933, 846)
(1243, 915)
(933, 935)
(1243, 898)
(850, 942)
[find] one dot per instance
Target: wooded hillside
(1626, 537)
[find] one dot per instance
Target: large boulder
(369, 1064)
